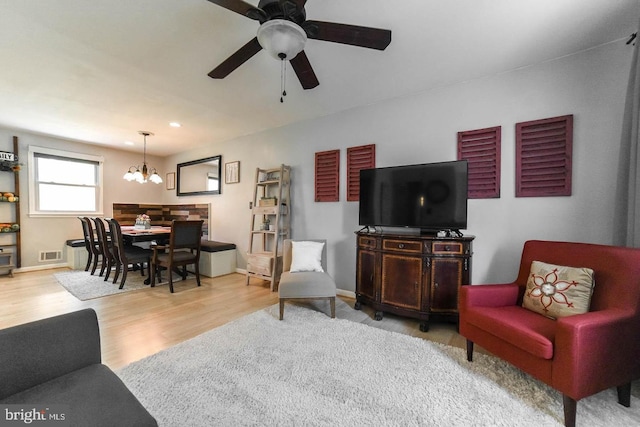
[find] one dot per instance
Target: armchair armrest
(602, 343)
(36, 352)
(497, 295)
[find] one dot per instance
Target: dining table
(131, 234)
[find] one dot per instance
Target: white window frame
(33, 192)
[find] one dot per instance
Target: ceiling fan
(284, 31)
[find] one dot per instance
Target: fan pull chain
(283, 79)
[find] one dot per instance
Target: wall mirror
(199, 177)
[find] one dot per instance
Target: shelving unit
(270, 223)
(10, 228)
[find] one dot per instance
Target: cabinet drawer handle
(435, 284)
(401, 245)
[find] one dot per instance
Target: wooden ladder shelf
(270, 223)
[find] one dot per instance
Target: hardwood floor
(139, 323)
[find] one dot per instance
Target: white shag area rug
(310, 370)
(84, 286)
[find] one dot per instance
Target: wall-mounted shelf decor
(10, 244)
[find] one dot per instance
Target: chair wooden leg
(332, 302)
(197, 268)
(569, 411)
(124, 276)
(152, 274)
(170, 273)
(624, 394)
(117, 273)
(108, 271)
(281, 308)
(103, 267)
(469, 351)
(89, 259)
(95, 265)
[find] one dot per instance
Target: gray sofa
(56, 362)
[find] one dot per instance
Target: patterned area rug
(84, 286)
(315, 371)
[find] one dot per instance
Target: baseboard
(41, 267)
(344, 293)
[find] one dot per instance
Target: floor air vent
(50, 256)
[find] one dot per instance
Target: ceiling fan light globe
(282, 39)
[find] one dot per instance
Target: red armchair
(579, 355)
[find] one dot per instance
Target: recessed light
(175, 124)
(128, 143)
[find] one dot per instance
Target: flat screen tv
(431, 197)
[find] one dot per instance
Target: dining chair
(126, 254)
(183, 250)
(106, 248)
(90, 243)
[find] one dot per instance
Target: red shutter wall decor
(481, 149)
(358, 158)
(544, 157)
(327, 176)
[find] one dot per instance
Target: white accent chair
(305, 285)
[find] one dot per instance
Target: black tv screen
(429, 196)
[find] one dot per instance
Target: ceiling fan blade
(373, 38)
(241, 56)
(241, 7)
(304, 71)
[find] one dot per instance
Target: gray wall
(412, 129)
(422, 128)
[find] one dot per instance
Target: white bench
(76, 254)
(217, 258)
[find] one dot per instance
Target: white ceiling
(98, 71)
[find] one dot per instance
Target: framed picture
(232, 172)
(171, 181)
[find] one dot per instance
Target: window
(64, 183)
(481, 149)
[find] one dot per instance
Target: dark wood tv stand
(412, 275)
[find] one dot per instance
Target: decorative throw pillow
(557, 291)
(306, 256)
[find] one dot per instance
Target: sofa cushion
(306, 256)
(307, 284)
(213, 246)
(520, 327)
(76, 243)
(94, 396)
(558, 291)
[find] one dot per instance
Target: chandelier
(135, 174)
